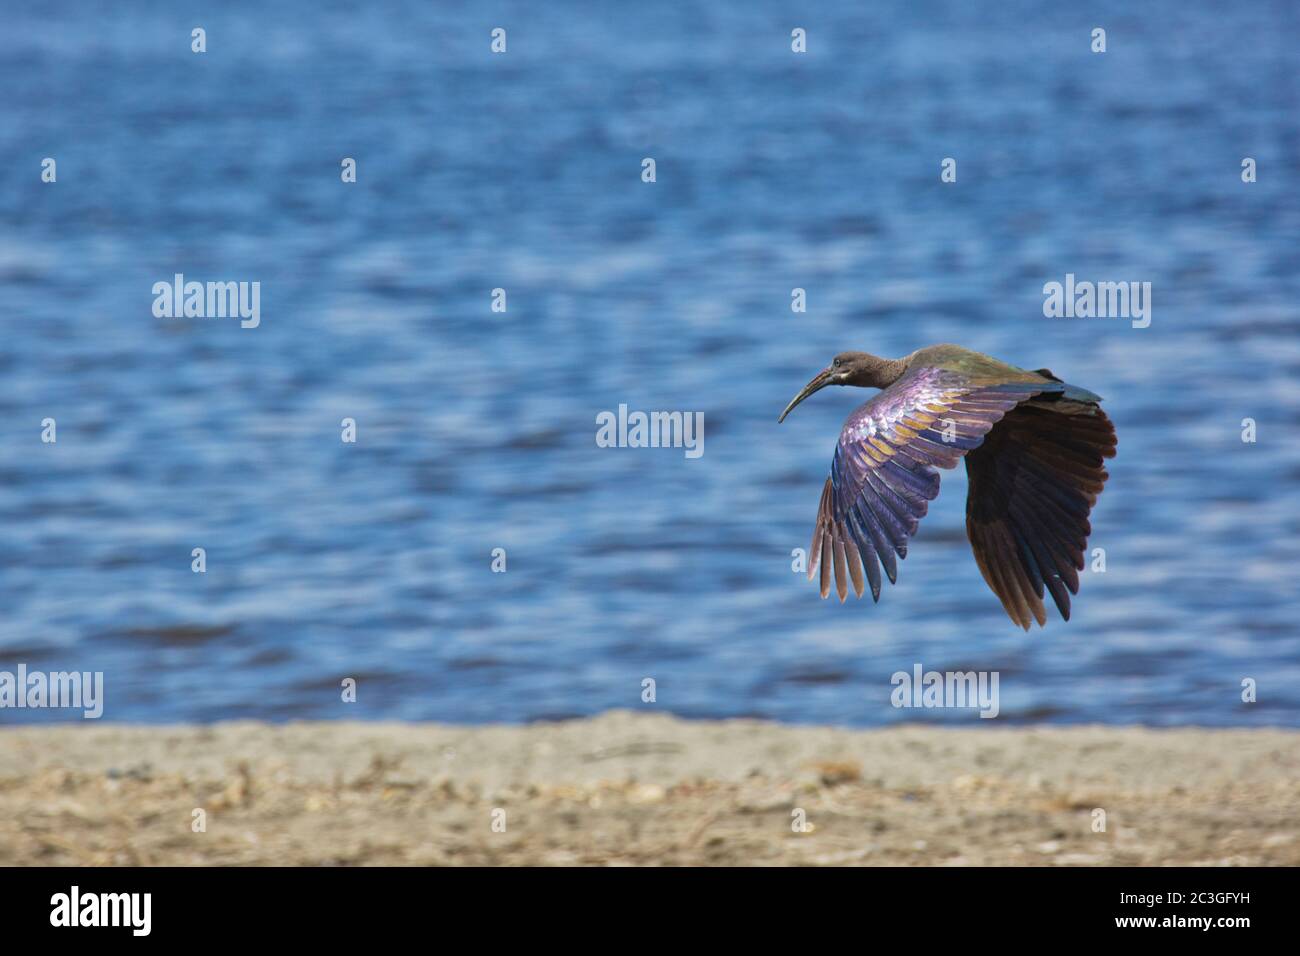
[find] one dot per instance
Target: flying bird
(1034, 449)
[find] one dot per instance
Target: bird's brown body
(1034, 448)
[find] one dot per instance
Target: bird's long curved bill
(821, 381)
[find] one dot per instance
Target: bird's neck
(881, 372)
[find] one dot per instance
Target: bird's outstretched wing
(883, 477)
(1033, 483)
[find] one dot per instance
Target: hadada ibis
(1034, 449)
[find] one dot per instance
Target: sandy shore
(640, 788)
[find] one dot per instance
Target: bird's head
(848, 368)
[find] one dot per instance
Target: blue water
(477, 429)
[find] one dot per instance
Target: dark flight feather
(1032, 485)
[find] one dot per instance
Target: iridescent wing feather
(883, 475)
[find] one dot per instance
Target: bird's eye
(836, 363)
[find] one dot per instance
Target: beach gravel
(642, 788)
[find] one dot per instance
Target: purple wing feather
(883, 474)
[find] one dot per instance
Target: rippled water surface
(522, 172)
